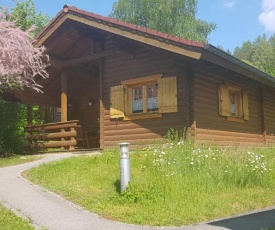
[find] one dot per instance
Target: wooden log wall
(197, 102)
(210, 126)
(269, 114)
(227, 138)
(143, 62)
(269, 110)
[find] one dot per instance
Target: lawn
(171, 184)
(8, 220)
(16, 159)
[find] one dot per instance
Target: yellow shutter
(168, 101)
(117, 101)
(245, 106)
(224, 101)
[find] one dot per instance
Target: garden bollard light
(124, 166)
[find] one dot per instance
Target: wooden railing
(52, 135)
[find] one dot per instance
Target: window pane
(137, 100)
(152, 97)
(233, 106)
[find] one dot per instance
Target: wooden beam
(53, 144)
(76, 69)
(48, 136)
(137, 36)
(121, 32)
(72, 62)
(52, 126)
(64, 98)
(47, 34)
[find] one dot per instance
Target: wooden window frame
(140, 82)
(241, 102)
(121, 97)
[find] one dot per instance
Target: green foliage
(13, 115)
(36, 115)
(171, 184)
(221, 48)
(12, 120)
(24, 13)
(175, 135)
(259, 53)
(175, 17)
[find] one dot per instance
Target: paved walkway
(50, 211)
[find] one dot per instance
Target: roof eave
(251, 71)
(151, 37)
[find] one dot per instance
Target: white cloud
(229, 5)
(267, 17)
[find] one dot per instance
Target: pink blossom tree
(21, 64)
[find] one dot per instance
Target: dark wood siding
(207, 108)
(144, 62)
(269, 113)
(82, 90)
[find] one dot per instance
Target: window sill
(142, 116)
(235, 119)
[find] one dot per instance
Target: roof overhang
(221, 58)
(149, 37)
(194, 50)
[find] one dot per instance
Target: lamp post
(124, 166)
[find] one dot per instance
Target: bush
(12, 121)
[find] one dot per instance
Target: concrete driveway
(50, 211)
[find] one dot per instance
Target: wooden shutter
(117, 101)
(245, 106)
(167, 94)
(224, 101)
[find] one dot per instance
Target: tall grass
(177, 175)
(174, 183)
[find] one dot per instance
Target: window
(152, 97)
(233, 102)
(145, 97)
(137, 99)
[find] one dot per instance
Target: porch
(64, 135)
(74, 87)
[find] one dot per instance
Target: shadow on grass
(117, 185)
(264, 220)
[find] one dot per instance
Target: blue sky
(237, 20)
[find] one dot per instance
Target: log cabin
(125, 83)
